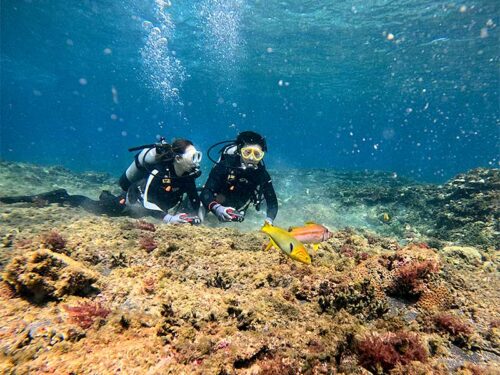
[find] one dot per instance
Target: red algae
(147, 243)
(144, 225)
(384, 352)
(54, 241)
(86, 313)
(452, 324)
(410, 278)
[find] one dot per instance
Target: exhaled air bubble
(164, 70)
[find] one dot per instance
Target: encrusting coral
(44, 274)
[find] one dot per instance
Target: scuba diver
(238, 179)
(153, 184)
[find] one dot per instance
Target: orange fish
(309, 233)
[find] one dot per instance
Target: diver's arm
(193, 197)
(213, 186)
(270, 197)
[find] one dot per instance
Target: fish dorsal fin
(311, 223)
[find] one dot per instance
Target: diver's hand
(223, 213)
(269, 221)
(175, 219)
(193, 220)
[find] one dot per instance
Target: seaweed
(86, 313)
(409, 279)
(144, 225)
(383, 352)
(219, 280)
(54, 241)
(147, 243)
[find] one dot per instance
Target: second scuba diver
(153, 184)
(238, 179)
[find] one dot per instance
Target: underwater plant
(358, 299)
(149, 285)
(147, 243)
(86, 313)
(381, 353)
(409, 279)
(144, 225)
(452, 324)
(219, 280)
(54, 241)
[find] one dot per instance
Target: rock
(469, 255)
(44, 275)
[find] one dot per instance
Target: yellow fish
(386, 217)
(282, 239)
(310, 233)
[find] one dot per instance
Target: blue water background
(403, 86)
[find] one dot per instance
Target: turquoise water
(402, 86)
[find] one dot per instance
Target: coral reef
(89, 294)
(44, 274)
(469, 207)
(358, 299)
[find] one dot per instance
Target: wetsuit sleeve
(213, 186)
(193, 197)
(269, 196)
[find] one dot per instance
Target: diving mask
(252, 153)
(190, 159)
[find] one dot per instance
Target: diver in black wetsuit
(240, 179)
(155, 183)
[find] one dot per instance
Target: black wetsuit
(163, 190)
(232, 186)
(107, 204)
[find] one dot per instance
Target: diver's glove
(269, 221)
(226, 214)
(175, 219)
(222, 213)
(192, 219)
